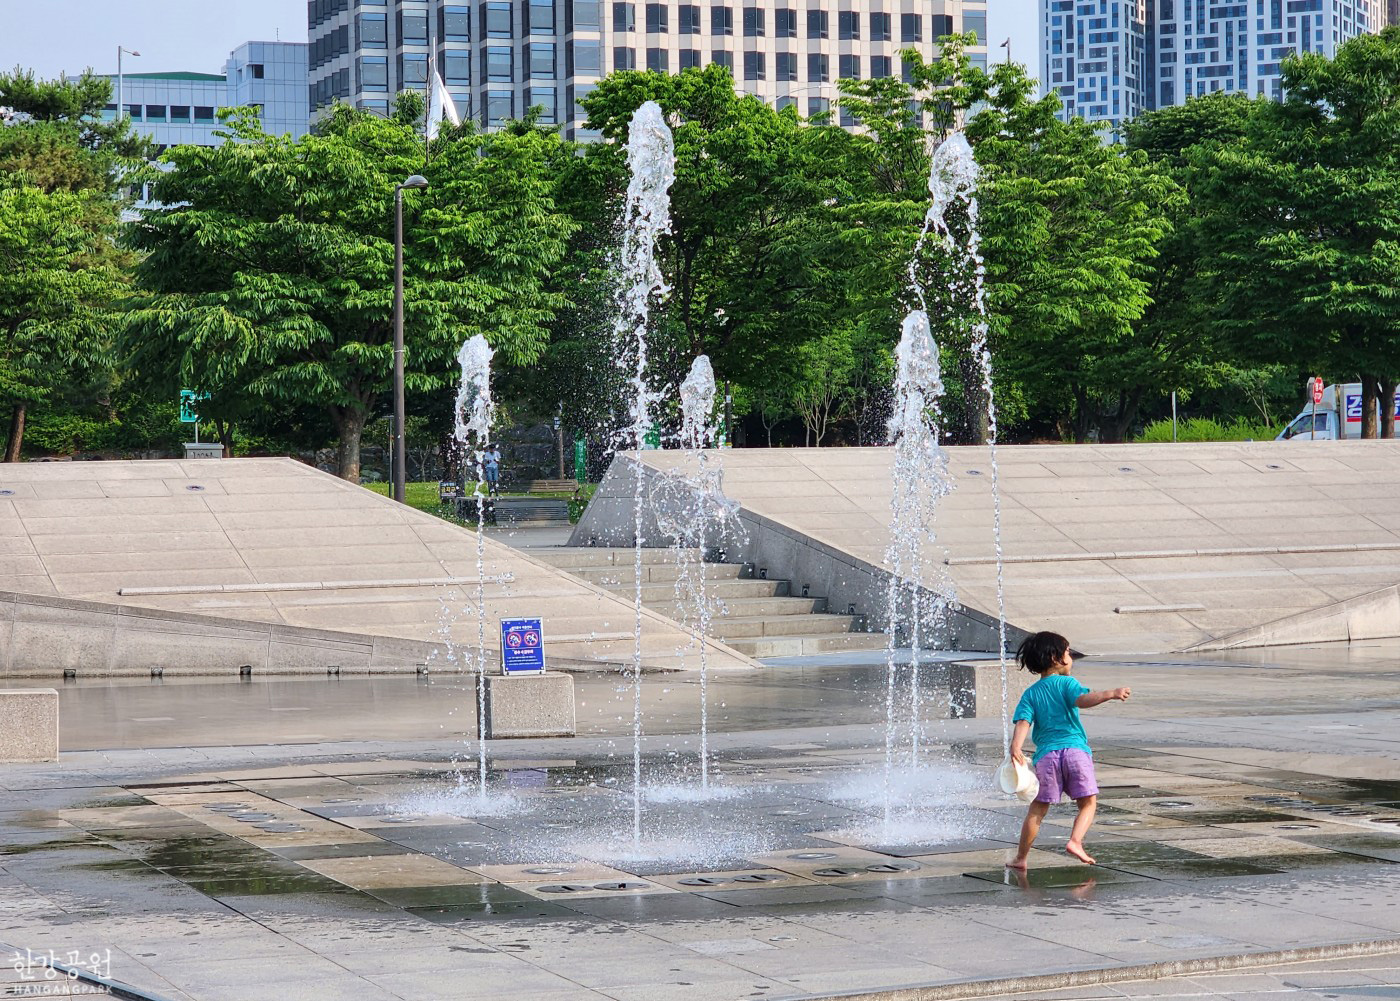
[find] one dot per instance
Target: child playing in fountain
(1049, 713)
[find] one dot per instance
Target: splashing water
(647, 215)
(953, 187)
(473, 414)
(919, 479)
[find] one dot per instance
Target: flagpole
(428, 80)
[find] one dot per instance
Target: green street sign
(580, 461)
(652, 439)
(189, 406)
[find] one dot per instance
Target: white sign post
(1316, 386)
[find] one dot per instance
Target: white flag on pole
(441, 107)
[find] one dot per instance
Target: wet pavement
(1249, 806)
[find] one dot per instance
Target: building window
(374, 73)
(155, 112)
(818, 106)
(456, 67)
(495, 20)
(540, 14)
(848, 120)
(380, 108)
(373, 31)
(256, 69)
(880, 67)
(547, 100)
(499, 108)
(690, 59)
(413, 70)
(976, 21)
(658, 61)
(785, 23)
(587, 14)
(847, 24)
(721, 20)
(179, 112)
(689, 19)
(786, 67)
(911, 27)
(880, 27)
(540, 56)
(499, 63)
(850, 67)
(203, 114)
(785, 102)
(721, 57)
(658, 18)
(413, 27)
(753, 66)
(624, 58)
(455, 23)
(754, 22)
(624, 17)
(818, 24)
(818, 67)
(585, 58)
(942, 25)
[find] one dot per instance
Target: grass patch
(423, 495)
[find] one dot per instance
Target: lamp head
(415, 181)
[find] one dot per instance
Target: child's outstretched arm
(1018, 737)
(1091, 699)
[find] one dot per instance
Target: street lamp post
(400, 472)
(121, 82)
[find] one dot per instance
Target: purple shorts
(1069, 773)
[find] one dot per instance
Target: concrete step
(723, 590)
(531, 511)
(652, 573)
(798, 646)
(746, 608)
(579, 557)
(816, 624)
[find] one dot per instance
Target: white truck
(1323, 423)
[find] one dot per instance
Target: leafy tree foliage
(270, 276)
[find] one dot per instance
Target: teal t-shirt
(1048, 706)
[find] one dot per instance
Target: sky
(53, 36)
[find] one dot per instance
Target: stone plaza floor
(309, 839)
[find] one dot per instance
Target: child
(1049, 713)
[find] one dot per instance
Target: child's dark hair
(1039, 652)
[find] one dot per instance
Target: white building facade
(177, 109)
(499, 58)
(1110, 60)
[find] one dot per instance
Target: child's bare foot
(1017, 863)
(1077, 850)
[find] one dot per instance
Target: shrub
(1208, 429)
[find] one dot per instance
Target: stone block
(538, 705)
(974, 687)
(28, 725)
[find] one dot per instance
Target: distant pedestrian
(1049, 714)
(491, 465)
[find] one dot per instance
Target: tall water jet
(697, 434)
(953, 190)
(919, 479)
(473, 414)
(646, 216)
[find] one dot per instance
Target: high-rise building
(1109, 60)
(498, 58)
(176, 109)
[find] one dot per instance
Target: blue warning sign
(522, 646)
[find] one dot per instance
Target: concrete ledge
(537, 705)
(1039, 983)
(975, 687)
(28, 724)
(1371, 616)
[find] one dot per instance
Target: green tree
(60, 168)
(1301, 221)
(270, 277)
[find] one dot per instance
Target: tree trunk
(974, 400)
(224, 429)
(16, 439)
(1387, 396)
(1128, 407)
(1081, 414)
(1369, 391)
(350, 424)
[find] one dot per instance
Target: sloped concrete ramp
(1124, 548)
(273, 563)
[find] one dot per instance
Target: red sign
(1317, 389)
